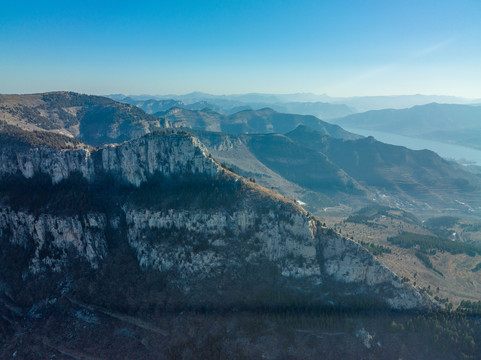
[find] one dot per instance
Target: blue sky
(342, 48)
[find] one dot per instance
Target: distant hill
(221, 105)
(16, 137)
(244, 98)
(365, 103)
(450, 123)
(322, 106)
(249, 121)
(310, 169)
(92, 119)
(322, 110)
(322, 170)
(153, 106)
(277, 162)
(421, 175)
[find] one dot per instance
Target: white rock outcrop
(287, 242)
(52, 237)
(299, 245)
(169, 152)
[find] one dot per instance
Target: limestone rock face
(56, 163)
(299, 245)
(188, 243)
(197, 243)
(349, 263)
(169, 152)
(53, 237)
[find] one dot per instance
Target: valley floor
(452, 278)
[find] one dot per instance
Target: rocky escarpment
(195, 247)
(52, 239)
(252, 244)
(168, 152)
(348, 263)
(199, 245)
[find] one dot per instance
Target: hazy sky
(342, 48)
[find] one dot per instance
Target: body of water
(448, 151)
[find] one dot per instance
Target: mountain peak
(93, 119)
(266, 110)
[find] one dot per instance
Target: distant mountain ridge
(224, 106)
(419, 174)
(323, 106)
(366, 103)
(451, 123)
(93, 119)
(315, 167)
(249, 121)
(153, 106)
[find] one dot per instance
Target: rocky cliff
(52, 238)
(166, 152)
(251, 239)
(198, 245)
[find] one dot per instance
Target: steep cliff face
(348, 263)
(56, 163)
(53, 238)
(168, 152)
(253, 231)
(198, 245)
